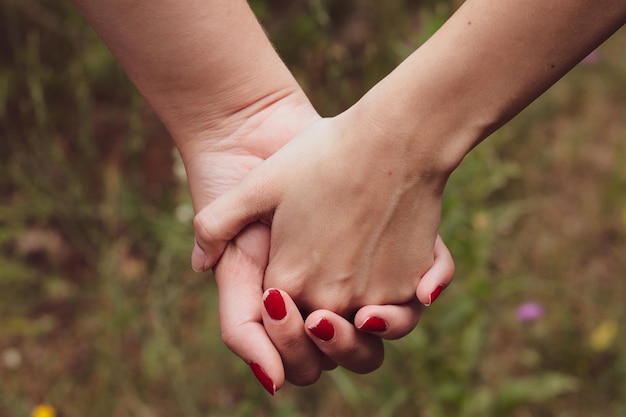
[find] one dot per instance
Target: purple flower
(529, 311)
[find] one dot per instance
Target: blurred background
(100, 314)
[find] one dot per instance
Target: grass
(100, 314)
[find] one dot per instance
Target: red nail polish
(275, 305)
(374, 324)
(263, 378)
(323, 330)
(435, 294)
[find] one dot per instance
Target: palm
(212, 171)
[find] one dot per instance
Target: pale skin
(226, 116)
(375, 174)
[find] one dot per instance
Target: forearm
(197, 62)
(486, 64)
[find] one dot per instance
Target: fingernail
(373, 324)
(198, 259)
(324, 330)
(274, 304)
(263, 378)
(435, 294)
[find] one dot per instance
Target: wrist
(212, 108)
(216, 157)
(199, 129)
(487, 63)
(432, 140)
(197, 62)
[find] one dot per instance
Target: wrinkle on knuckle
(353, 352)
(231, 339)
(303, 377)
(291, 343)
(369, 363)
(207, 227)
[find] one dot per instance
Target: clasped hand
(351, 226)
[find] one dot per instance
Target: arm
(380, 168)
(486, 64)
(180, 53)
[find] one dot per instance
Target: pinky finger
(438, 277)
(389, 321)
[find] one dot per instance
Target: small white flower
(184, 213)
(11, 358)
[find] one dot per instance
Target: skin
(226, 117)
(380, 168)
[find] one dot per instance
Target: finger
(302, 360)
(225, 217)
(328, 364)
(438, 277)
(239, 277)
(348, 347)
(389, 321)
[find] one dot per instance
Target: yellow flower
(603, 336)
(44, 410)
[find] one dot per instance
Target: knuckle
(231, 339)
(367, 363)
(353, 352)
(292, 343)
(359, 358)
(206, 226)
(451, 270)
(303, 377)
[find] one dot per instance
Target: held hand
(352, 223)
(272, 334)
(270, 350)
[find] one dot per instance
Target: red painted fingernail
(274, 304)
(323, 330)
(263, 378)
(433, 295)
(374, 324)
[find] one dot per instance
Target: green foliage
(100, 315)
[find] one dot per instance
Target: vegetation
(100, 314)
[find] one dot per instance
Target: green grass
(100, 314)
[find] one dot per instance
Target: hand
(353, 223)
(246, 326)
(239, 275)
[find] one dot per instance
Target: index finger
(239, 277)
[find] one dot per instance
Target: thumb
(224, 218)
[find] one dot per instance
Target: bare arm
(179, 53)
(486, 64)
